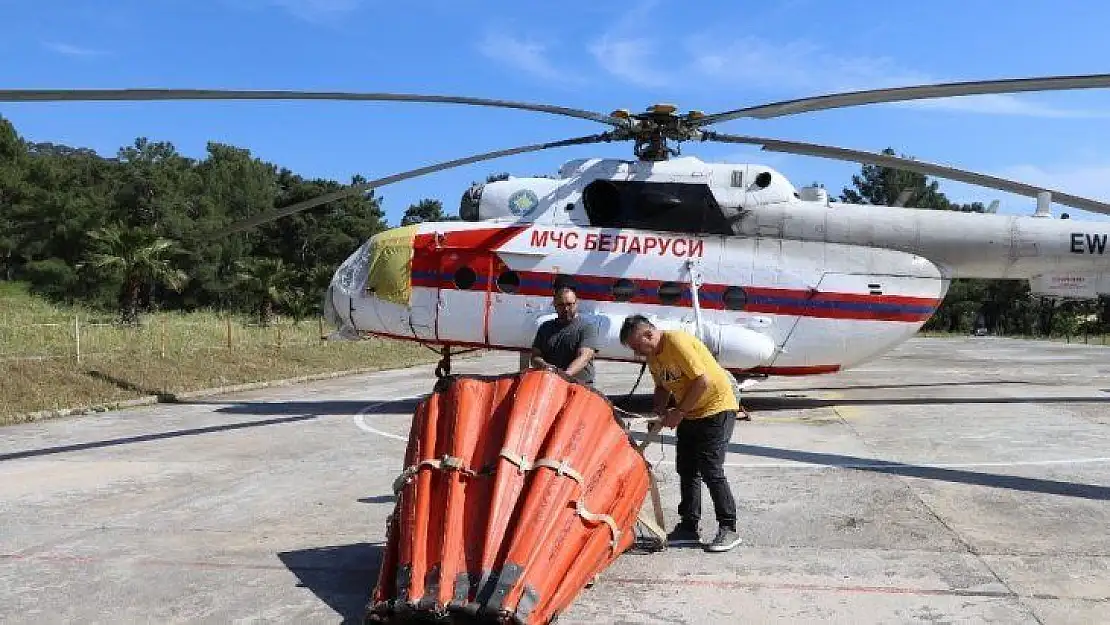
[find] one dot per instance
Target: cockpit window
(665, 206)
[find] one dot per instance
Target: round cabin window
(735, 298)
(670, 293)
(508, 281)
(465, 277)
(624, 290)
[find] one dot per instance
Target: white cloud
(624, 53)
(1003, 104)
(1085, 180)
(71, 50)
(524, 55)
(791, 66)
(629, 59)
(1089, 180)
(797, 67)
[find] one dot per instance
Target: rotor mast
(651, 130)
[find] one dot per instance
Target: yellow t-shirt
(680, 361)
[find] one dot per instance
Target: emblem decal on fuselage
(522, 201)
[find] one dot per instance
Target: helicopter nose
(346, 287)
(372, 288)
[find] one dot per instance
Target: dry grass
(170, 353)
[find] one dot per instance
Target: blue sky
(593, 55)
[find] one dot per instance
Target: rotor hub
(655, 127)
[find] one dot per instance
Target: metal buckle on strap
(561, 467)
(521, 462)
(447, 463)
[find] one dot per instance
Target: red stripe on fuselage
(790, 302)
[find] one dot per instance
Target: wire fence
(82, 337)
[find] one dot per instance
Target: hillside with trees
(135, 232)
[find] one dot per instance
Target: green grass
(169, 353)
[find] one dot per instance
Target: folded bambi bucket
(517, 490)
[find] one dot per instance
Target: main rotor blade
(80, 95)
(919, 92)
(412, 173)
(921, 167)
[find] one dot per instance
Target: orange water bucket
(516, 491)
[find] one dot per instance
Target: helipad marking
(360, 421)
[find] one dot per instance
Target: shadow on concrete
(378, 499)
(862, 387)
(295, 411)
(342, 576)
(143, 438)
(957, 476)
(319, 408)
(791, 400)
(767, 403)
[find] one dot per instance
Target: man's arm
(537, 359)
(690, 365)
(660, 399)
(587, 347)
(580, 362)
(537, 354)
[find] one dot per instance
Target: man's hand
(672, 418)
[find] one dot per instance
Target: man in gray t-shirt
(567, 342)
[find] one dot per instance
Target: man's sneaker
(683, 535)
(726, 539)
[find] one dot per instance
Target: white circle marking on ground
(360, 422)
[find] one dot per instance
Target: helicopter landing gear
(443, 369)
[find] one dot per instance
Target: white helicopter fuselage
(776, 281)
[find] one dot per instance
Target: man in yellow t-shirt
(704, 417)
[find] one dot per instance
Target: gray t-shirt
(560, 341)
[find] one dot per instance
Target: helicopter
(777, 280)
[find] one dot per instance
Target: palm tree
(266, 278)
(304, 296)
(140, 257)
